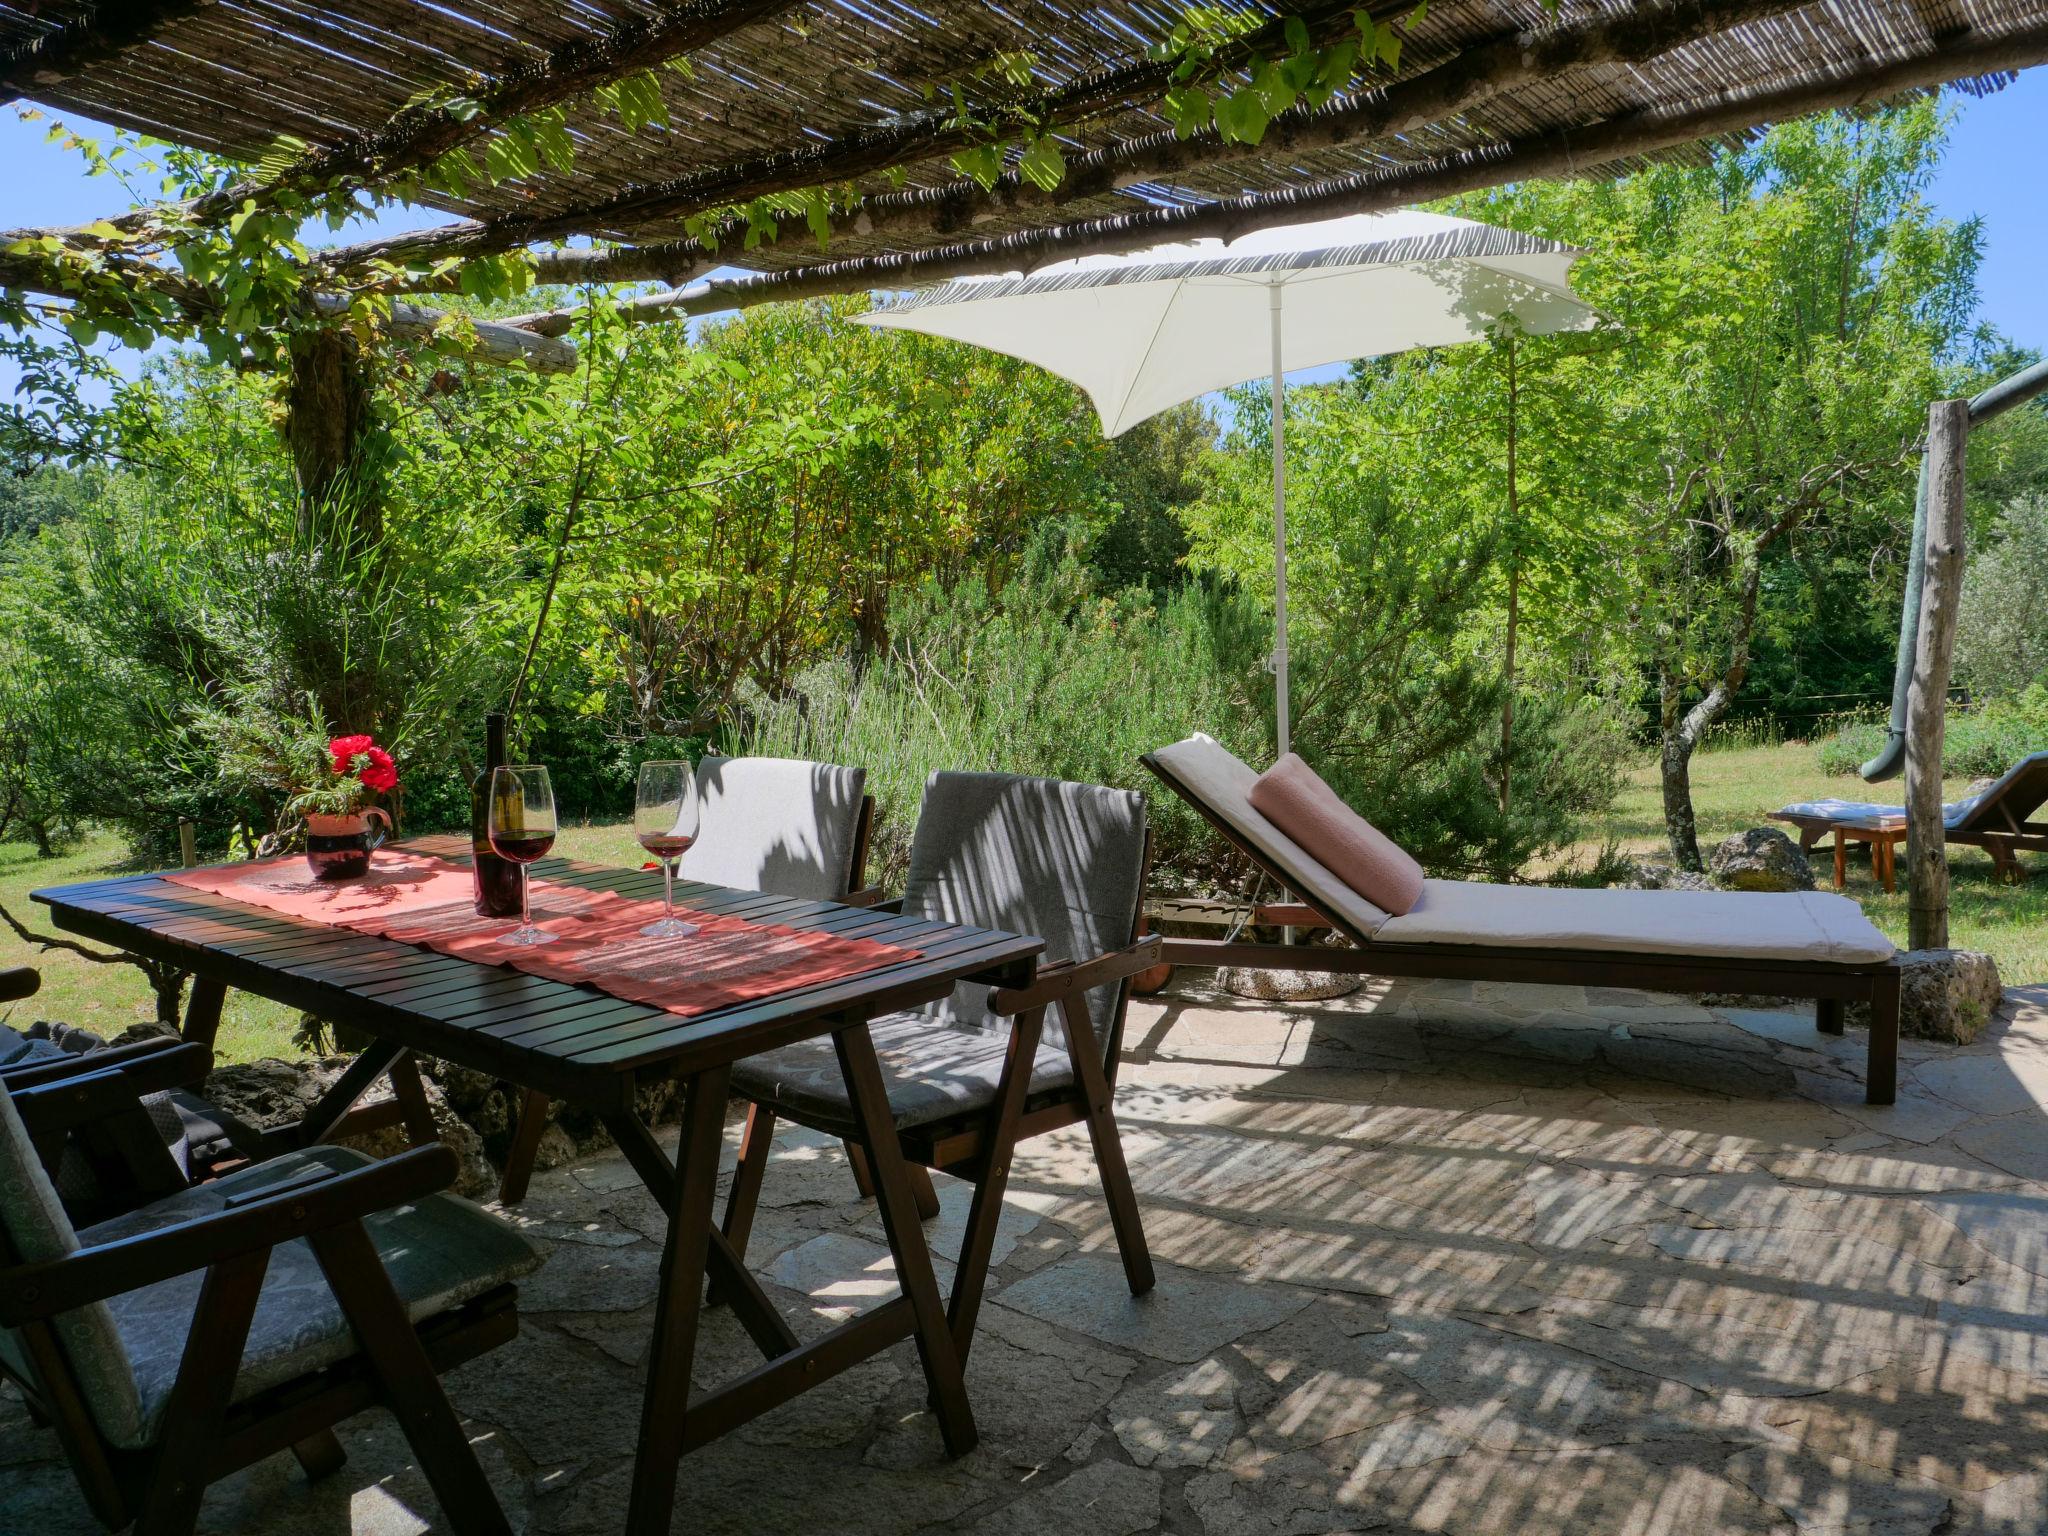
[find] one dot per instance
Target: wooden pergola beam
(108, 29)
(1479, 74)
(1564, 153)
(486, 340)
(904, 140)
(418, 135)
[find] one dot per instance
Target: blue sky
(1991, 170)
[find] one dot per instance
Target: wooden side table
(1882, 833)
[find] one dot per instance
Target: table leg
(1841, 859)
(371, 1063)
(1890, 860)
(202, 1010)
(893, 1194)
(664, 1413)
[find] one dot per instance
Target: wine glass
(522, 827)
(665, 820)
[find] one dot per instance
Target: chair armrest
(1056, 981)
(17, 982)
(79, 1096)
(871, 896)
(34, 1073)
(295, 1209)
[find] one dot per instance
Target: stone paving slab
(1479, 1259)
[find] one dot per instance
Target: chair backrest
(2020, 791)
(36, 1229)
(777, 824)
(1060, 861)
(1218, 783)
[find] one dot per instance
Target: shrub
(1977, 743)
(1053, 677)
(2002, 629)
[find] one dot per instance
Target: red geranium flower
(346, 749)
(381, 774)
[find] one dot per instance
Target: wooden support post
(188, 842)
(1948, 435)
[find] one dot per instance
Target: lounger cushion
(1800, 925)
(776, 824)
(439, 1252)
(1295, 799)
(1222, 782)
(932, 1072)
(1849, 812)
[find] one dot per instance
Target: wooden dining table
(576, 1043)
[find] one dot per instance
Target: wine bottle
(496, 880)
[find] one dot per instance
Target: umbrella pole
(1279, 527)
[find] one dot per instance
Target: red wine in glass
(522, 829)
(523, 850)
(665, 820)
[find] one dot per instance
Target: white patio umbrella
(1145, 331)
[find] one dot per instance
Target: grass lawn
(1737, 788)
(1732, 789)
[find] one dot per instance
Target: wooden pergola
(861, 106)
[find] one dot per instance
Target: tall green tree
(1786, 314)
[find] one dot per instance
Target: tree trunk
(327, 426)
(1681, 831)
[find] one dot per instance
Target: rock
(1656, 875)
(491, 1105)
(269, 1092)
(137, 1034)
(1761, 859)
(1287, 986)
(1944, 994)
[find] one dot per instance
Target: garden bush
(1978, 743)
(1054, 677)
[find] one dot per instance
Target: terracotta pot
(339, 847)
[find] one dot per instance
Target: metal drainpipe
(1994, 402)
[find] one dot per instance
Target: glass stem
(525, 898)
(668, 890)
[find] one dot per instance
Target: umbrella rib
(1157, 326)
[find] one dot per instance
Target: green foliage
(1019, 682)
(1979, 743)
(2002, 629)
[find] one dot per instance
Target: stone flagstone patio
(1440, 1257)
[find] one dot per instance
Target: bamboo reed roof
(236, 76)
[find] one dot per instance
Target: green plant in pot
(328, 783)
(339, 832)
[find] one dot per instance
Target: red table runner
(418, 899)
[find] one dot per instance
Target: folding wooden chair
(974, 1074)
(219, 1323)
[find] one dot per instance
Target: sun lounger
(2000, 820)
(1798, 944)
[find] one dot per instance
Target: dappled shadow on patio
(1442, 1257)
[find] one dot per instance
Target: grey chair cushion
(1058, 860)
(776, 824)
(933, 1073)
(1061, 861)
(439, 1252)
(38, 1230)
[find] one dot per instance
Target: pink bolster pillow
(1294, 799)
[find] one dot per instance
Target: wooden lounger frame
(1831, 984)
